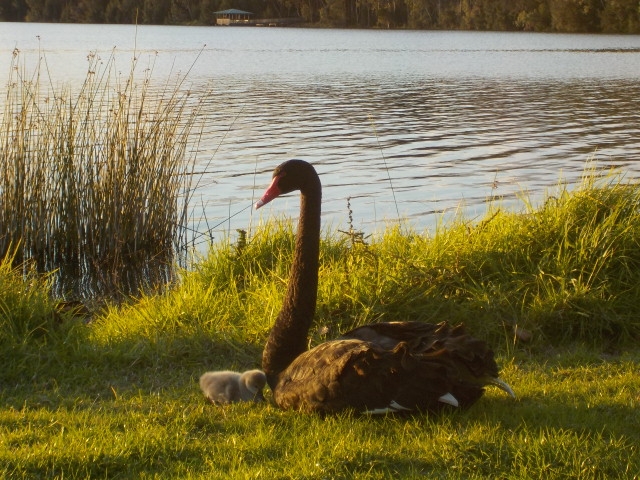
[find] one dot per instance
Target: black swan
(377, 368)
(230, 387)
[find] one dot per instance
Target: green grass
(573, 419)
(117, 397)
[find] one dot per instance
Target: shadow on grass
(167, 463)
(583, 416)
(51, 376)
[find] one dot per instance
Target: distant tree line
(607, 16)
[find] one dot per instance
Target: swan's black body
(385, 367)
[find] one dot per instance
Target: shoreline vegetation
(563, 16)
(110, 389)
(95, 183)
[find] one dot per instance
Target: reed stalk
(93, 182)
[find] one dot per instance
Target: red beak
(270, 193)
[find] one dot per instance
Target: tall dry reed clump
(93, 183)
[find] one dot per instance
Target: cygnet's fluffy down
(229, 387)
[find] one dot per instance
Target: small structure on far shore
(233, 16)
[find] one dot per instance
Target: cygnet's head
(252, 383)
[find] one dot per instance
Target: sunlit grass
(559, 428)
(117, 396)
(26, 307)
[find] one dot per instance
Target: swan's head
(287, 177)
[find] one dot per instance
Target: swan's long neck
(288, 337)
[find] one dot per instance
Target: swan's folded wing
(376, 372)
(389, 334)
(336, 376)
(363, 377)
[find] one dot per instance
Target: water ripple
(443, 145)
(438, 120)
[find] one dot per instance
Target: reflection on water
(410, 122)
(440, 142)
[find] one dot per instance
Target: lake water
(407, 124)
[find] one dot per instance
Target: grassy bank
(555, 289)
